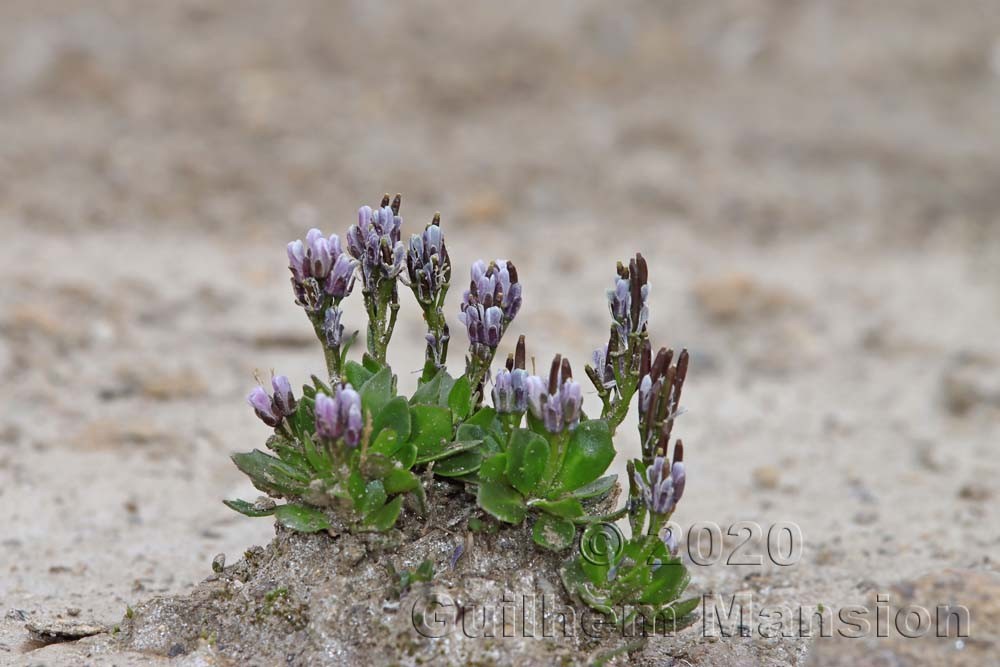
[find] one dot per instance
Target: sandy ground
(816, 186)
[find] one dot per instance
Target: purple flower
(510, 391)
(628, 300)
(283, 399)
(602, 366)
(319, 267)
(339, 416)
(657, 486)
(557, 404)
(272, 409)
(340, 282)
(663, 484)
(428, 267)
(261, 403)
(491, 302)
(375, 242)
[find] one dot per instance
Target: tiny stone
(975, 491)
(73, 611)
(219, 563)
(766, 477)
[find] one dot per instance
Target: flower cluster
(272, 409)
(558, 403)
(510, 384)
(491, 302)
(339, 416)
(663, 484)
(428, 266)
(319, 267)
(659, 398)
(375, 242)
(628, 300)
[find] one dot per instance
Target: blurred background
(816, 187)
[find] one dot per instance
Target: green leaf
(493, 468)
(301, 518)
(501, 501)
(447, 384)
(317, 458)
(356, 374)
(386, 443)
(406, 455)
(567, 508)
(371, 364)
(395, 415)
(430, 429)
(450, 449)
(527, 455)
(599, 487)
(385, 517)
(375, 496)
(485, 418)
(553, 533)
(460, 464)
(469, 432)
(356, 487)
(270, 474)
(588, 454)
(247, 508)
(429, 393)
(460, 398)
(400, 481)
(376, 392)
(668, 582)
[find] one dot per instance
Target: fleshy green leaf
(493, 468)
(371, 364)
(376, 392)
(567, 508)
(502, 501)
(247, 508)
(386, 443)
(430, 429)
(588, 454)
(395, 415)
(356, 374)
(375, 496)
(460, 398)
(485, 418)
(429, 393)
(450, 449)
(317, 457)
(406, 455)
(553, 533)
(599, 487)
(527, 455)
(385, 517)
(460, 464)
(400, 481)
(301, 518)
(270, 474)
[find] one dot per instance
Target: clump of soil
(320, 598)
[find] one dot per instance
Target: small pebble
(766, 477)
(219, 563)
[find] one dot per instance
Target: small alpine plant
(347, 449)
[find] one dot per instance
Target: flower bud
(262, 406)
(283, 400)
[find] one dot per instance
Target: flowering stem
(331, 354)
